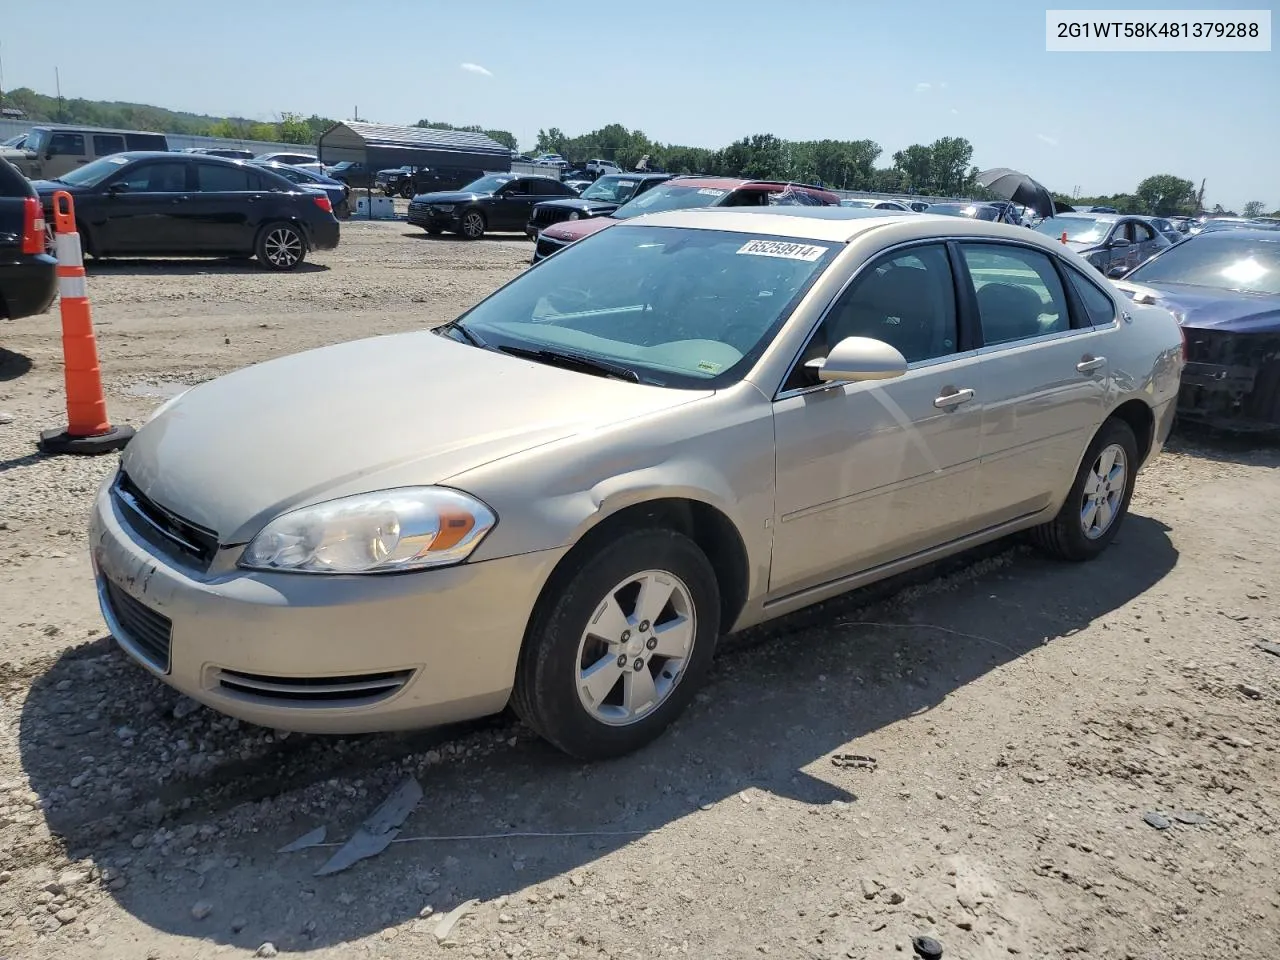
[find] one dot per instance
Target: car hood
(407, 409)
(592, 207)
(449, 196)
(47, 188)
(1216, 309)
(572, 230)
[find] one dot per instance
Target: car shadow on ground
(182, 267)
(110, 763)
(13, 365)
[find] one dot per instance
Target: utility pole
(1, 76)
(1200, 198)
(57, 82)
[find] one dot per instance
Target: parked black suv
(410, 181)
(499, 201)
(187, 205)
(28, 275)
(603, 197)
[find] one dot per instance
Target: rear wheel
(616, 653)
(1099, 499)
(281, 246)
(472, 225)
(406, 191)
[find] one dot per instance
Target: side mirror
(858, 359)
(1118, 243)
(1118, 271)
(120, 187)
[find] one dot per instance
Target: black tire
(472, 225)
(281, 246)
(406, 192)
(1064, 537)
(388, 191)
(545, 696)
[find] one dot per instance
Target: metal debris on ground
(450, 919)
(853, 760)
(312, 839)
(1159, 821)
(378, 830)
(927, 948)
(1271, 648)
(1190, 818)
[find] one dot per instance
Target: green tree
(1165, 194)
(294, 129)
(916, 164)
(949, 170)
(550, 141)
(1254, 208)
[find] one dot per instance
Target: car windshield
(681, 308)
(487, 184)
(611, 189)
(670, 196)
(92, 174)
(1077, 229)
(1226, 263)
(972, 210)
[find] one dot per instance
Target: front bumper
(425, 216)
(1231, 380)
(318, 653)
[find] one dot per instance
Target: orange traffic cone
(88, 430)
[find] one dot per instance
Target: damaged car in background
(1223, 287)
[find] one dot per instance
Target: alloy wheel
(633, 651)
(283, 246)
(1104, 490)
(473, 225)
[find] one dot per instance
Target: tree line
(941, 168)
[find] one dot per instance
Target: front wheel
(281, 246)
(616, 653)
(472, 225)
(406, 192)
(1099, 497)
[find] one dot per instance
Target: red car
(681, 193)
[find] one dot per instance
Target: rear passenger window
(1100, 308)
(1019, 293)
(217, 179)
(105, 144)
(67, 145)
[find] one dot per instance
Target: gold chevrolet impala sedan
(676, 428)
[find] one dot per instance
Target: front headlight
(387, 531)
(442, 207)
(573, 215)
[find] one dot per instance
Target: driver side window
(906, 299)
(160, 177)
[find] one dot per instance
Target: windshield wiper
(467, 335)
(576, 361)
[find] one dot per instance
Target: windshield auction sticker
(777, 248)
(1158, 31)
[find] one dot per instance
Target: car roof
(838, 224)
(1258, 233)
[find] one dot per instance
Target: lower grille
(149, 633)
(1231, 378)
(350, 691)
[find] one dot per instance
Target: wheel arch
(1142, 421)
(711, 529)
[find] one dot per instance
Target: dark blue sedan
(339, 193)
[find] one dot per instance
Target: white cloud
(943, 85)
(475, 68)
(1045, 138)
(955, 112)
(923, 87)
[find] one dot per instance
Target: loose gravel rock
(1024, 717)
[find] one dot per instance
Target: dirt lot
(1025, 716)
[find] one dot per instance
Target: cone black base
(59, 441)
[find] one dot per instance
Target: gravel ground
(1070, 760)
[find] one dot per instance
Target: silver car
(679, 427)
(1113, 243)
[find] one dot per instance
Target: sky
(703, 73)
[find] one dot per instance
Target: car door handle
(180, 199)
(1090, 364)
(953, 399)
